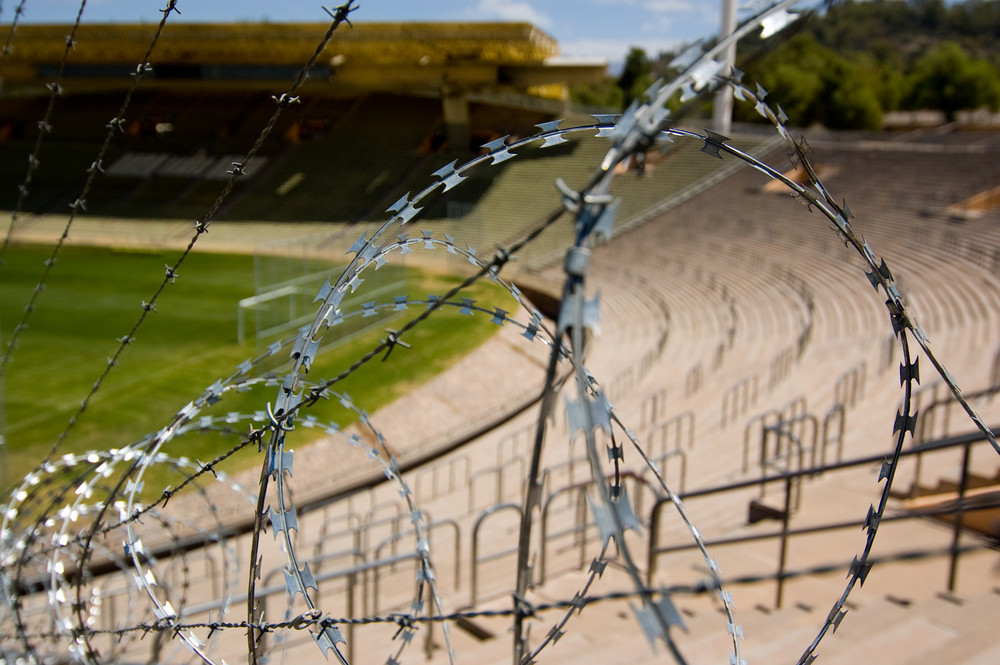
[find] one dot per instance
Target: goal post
(287, 277)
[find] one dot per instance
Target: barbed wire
(18, 12)
(523, 607)
(201, 226)
(47, 549)
(44, 129)
(80, 203)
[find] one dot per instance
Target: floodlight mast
(722, 109)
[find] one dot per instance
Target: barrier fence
(83, 528)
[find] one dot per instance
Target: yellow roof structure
(424, 58)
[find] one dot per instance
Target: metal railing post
(956, 532)
(654, 538)
(429, 634)
(474, 560)
(581, 523)
(351, 581)
(783, 553)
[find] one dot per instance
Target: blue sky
(584, 28)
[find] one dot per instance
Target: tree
(813, 83)
(948, 79)
(849, 99)
(636, 75)
(604, 93)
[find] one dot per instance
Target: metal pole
(351, 584)
(532, 498)
(722, 111)
(654, 539)
(783, 554)
(956, 533)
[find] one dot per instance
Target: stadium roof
(423, 58)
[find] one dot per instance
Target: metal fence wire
(98, 567)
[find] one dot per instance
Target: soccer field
(94, 296)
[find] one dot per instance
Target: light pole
(722, 110)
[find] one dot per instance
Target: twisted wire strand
(116, 124)
(527, 608)
(18, 12)
(44, 129)
(201, 226)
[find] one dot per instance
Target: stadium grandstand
(739, 342)
(462, 85)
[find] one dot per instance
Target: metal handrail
(959, 506)
(582, 522)
(474, 563)
(429, 528)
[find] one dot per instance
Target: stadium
(362, 342)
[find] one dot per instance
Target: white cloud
(614, 50)
(514, 10)
(664, 6)
(673, 15)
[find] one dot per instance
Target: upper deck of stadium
(209, 89)
(449, 61)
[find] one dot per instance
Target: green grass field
(94, 296)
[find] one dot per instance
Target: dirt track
(225, 237)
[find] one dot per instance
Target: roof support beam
(455, 104)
